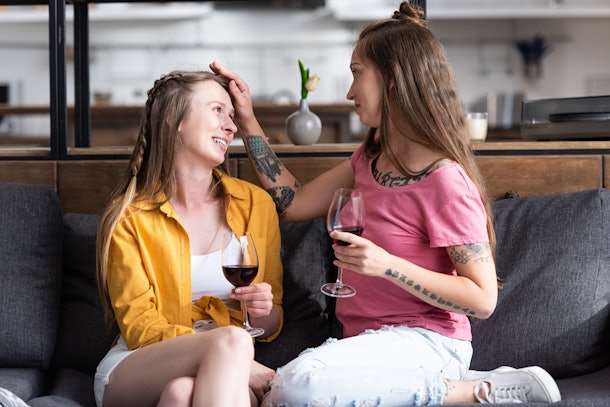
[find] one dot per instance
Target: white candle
(476, 124)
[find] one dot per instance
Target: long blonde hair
(413, 65)
(151, 166)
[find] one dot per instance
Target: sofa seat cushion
(30, 265)
(590, 386)
(25, 383)
(72, 388)
(553, 256)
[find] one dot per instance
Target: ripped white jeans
(393, 366)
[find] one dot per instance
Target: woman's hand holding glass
(346, 214)
(258, 297)
(240, 267)
(361, 255)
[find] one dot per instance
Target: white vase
(303, 127)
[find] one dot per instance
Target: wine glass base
(334, 290)
(254, 332)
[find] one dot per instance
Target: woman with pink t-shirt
(424, 263)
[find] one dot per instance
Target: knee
(178, 392)
(303, 381)
(235, 341)
(303, 371)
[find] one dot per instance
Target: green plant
(308, 84)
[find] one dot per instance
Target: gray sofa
(553, 256)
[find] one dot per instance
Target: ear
(168, 121)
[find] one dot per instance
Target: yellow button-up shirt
(149, 265)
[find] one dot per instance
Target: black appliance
(579, 118)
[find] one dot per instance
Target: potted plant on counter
(304, 127)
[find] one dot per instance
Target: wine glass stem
(244, 310)
(339, 282)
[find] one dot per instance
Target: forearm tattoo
(283, 197)
(269, 165)
(264, 158)
(478, 252)
(403, 279)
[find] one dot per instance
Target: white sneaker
(8, 399)
(507, 385)
(483, 374)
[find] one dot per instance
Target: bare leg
(218, 361)
(178, 392)
(260, 377)
(459, 391)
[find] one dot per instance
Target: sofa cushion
(553, 256)
(84, 336)
(26, 383)
(307, 258)
(30, 256)
(72, 388)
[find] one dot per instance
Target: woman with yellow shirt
(159, 268)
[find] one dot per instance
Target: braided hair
(151, 167)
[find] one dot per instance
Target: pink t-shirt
(415, 222)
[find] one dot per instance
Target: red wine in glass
(240, 266)
(357, 230)
(346, 214)
(240, 276)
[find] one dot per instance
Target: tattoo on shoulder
(479, 252)
(264, 158)
(283, 197)
(412, 284)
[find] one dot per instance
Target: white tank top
(207, 279)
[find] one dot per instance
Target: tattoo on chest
(266, 162)
(403, 279)
(386, 179)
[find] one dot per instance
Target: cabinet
(528, 168)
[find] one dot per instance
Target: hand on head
(240, 93)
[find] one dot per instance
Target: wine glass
(240, 266)
(345, 214)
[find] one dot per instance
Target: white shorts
(107, 365)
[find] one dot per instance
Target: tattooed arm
(293, 201)
(472, 292)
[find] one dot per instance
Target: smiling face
(366, 90)
(208, 129)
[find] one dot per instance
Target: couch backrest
(309, 315)
(553, 257)
(30, 256)
(84, 336)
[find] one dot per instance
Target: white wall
(264, 46)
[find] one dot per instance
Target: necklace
(207, 250)
(214, 192)
(426, 170)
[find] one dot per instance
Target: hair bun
(410, 13)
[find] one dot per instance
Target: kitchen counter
(116, 125)
(88, 175)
